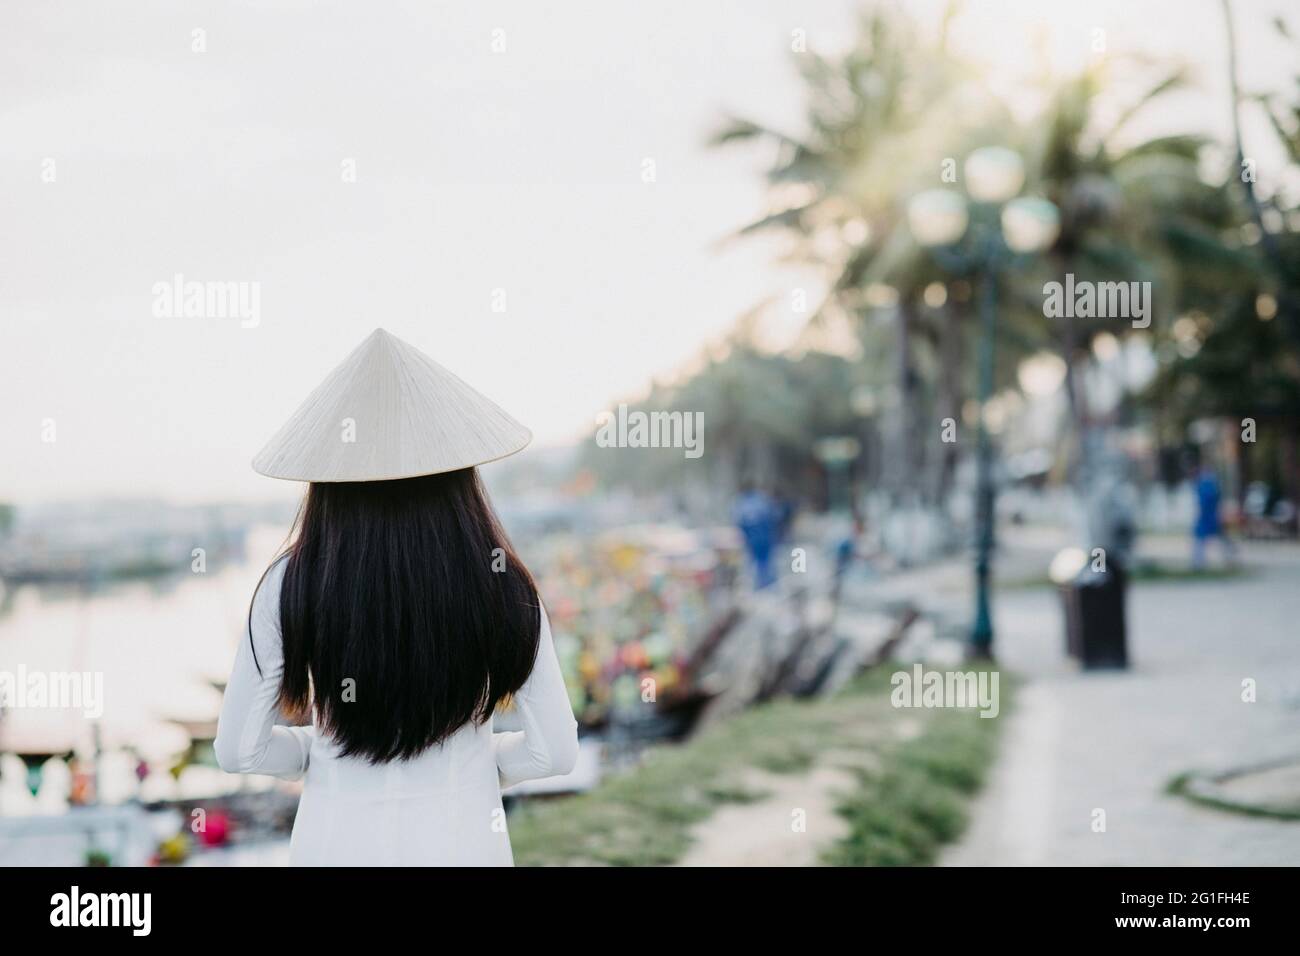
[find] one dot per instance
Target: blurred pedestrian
(847, 547)
(758, 519)
(1208, 524)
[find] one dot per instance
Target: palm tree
(880, 122)
(1128, 213)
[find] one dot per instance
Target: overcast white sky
(476, 171)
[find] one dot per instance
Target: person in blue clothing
(1208, 524)
(758, 519)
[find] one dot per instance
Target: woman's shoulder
(274, 574)
(266, 599)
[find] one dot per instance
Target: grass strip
(903, 813)
(1185, 785)
(644, 817)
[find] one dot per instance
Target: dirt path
(788, 827)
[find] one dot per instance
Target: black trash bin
(1095, 633)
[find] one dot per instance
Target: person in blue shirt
(1208, 524)
(758, 519)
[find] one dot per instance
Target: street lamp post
(981, 637)
(970, 238)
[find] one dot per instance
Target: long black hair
(405, 613)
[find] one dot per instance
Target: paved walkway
(1080, 742)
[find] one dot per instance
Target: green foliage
(1242, 368)
(759, 409)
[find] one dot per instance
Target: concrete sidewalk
(1077, 742)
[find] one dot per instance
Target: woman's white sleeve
(248, 741)
(548, 743)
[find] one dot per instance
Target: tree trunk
(1078, 470)
(909, 440)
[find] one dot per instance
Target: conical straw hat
(389, 411)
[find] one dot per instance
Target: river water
(154, 646)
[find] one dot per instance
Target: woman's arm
(548, 744)
(247, 739)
